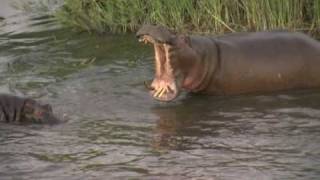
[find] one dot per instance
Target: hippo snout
(35, 112)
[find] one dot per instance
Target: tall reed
(202, 16)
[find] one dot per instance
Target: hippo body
(259, 62)
(14, 109)
(232, 64)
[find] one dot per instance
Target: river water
(114, 130)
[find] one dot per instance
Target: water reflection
(173, 128)
(246, 133)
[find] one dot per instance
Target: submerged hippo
(231, 64)
(25, 110)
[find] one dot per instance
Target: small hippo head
(173, 57)
(37, 113)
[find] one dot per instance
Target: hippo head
(173, 56)
(37, 113)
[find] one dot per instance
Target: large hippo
(231, 64)
(25, 110)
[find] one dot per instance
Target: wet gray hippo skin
(24, 110)
(231, 64)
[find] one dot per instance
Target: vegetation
(201, 16)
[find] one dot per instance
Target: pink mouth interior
(164, 86)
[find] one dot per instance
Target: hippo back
(11, 108)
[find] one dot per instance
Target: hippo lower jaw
(165, 90)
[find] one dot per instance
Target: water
(114, 130)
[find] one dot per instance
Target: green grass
(200, 16)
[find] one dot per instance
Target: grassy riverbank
(202, 16)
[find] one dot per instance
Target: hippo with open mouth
(231, 64)
(25, 110)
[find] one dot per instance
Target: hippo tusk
(157, 92)
(143, 40)
(170, 90)
(148, 86)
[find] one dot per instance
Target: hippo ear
(47, 107)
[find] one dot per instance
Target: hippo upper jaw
(148, 39)
(155, 34)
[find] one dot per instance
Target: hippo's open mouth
(167, 82)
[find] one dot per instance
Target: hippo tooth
(158, 93)
(164, 90)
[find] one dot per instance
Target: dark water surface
(114, 130)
